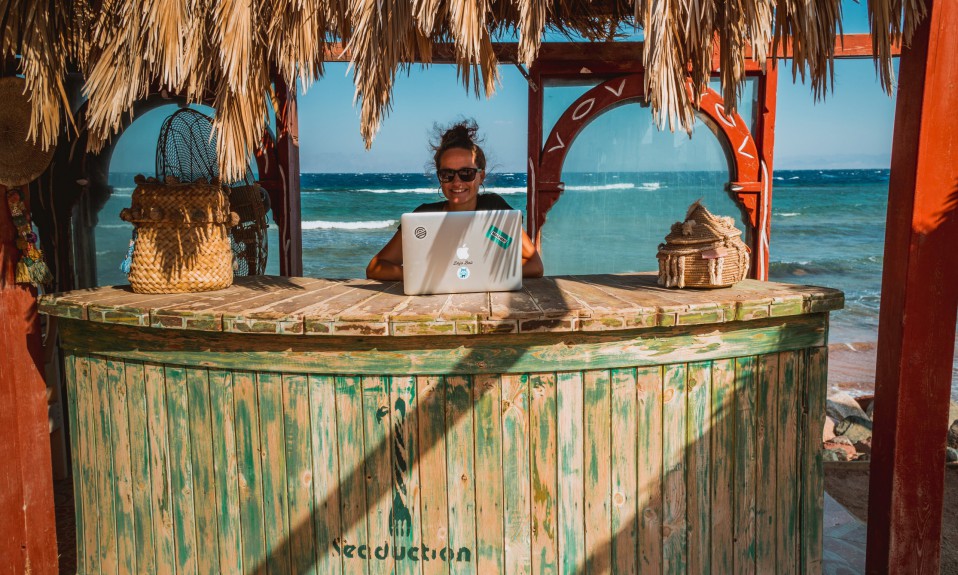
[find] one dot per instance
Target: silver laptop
(461, 252)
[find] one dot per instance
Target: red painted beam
(533, 155)
(28, 542)
(916, 332)
(616, 55)
(278, 163)
(765, 142)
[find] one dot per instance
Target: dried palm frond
(163, 23)
(241, 118)
(120, 74)
(46, 36)
(532, 24)
(198, 52)
(701, 17)
(665, 65)
(296, 39)
(812, 28)
(228, 50)
(385, 38)
(891, 22)
(236, 39)
(474, 54)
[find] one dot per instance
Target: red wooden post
(279, 175)
(916, 332)
(28, 541)
(765, 142)
(534, 153)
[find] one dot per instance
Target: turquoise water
(827, 226)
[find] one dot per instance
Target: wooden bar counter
(584, 424)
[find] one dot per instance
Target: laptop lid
(461, 252)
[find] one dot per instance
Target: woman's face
(461, 195)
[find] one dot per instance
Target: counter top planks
(309, 306)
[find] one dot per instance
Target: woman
(461, 168)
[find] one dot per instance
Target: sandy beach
(851, 369)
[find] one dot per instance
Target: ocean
(827, 226)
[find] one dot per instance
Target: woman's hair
(460, 135)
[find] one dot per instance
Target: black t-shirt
(484, 202)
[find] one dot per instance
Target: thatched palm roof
(229, 47)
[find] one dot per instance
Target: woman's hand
(387, 264)
(531, 262)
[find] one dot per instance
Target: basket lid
(701, 226)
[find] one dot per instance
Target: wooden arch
(749, 178)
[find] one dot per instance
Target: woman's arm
(531, 262)
(387, 264)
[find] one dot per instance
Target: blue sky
(850, 128)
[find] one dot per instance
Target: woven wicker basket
(704, 251)
(182, 236)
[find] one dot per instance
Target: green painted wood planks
(460, 355)
(702, 466)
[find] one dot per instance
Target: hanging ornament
(31, 268)
(127, 262)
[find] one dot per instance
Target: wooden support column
(765, 142)
(534, 154)
(28, 542)
(287, 154)
(916, 333)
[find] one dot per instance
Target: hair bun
(462, 133)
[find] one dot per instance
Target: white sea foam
(622, 186)
(788, 214)
(367, 225)
(435, 191)
(396, 190)
(505, 191)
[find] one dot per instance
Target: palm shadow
(722, 485)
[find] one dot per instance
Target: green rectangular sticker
(499, 237)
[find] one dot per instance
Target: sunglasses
(446, 175)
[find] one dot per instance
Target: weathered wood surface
(474, 354)
(304, 306)
(27, 521)
(704, 466)
(659, 444)
(919, 305)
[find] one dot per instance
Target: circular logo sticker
(463, 273)
(420, 232)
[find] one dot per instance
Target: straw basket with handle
(182, 236)
(704, 251)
